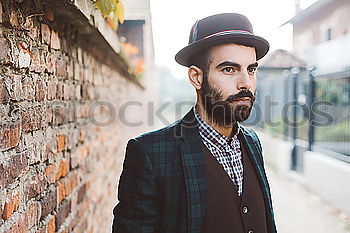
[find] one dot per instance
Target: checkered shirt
(227, 151)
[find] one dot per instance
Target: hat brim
(260, 44)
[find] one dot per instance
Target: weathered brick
(55, 41)
(24, 55)
(62, 213)
(14, 86)
(48, 204)
(60, 143)
(60, 191)
(40, 90)
(82, 193)
(45, 34)
(33, 214)
(50, 173)
(4, 94)
(21, 225)
(11, 206)
(66, 91)
(28, 89)
(33, 117)
(32, 28)
(0, 12)
(13, 19)
(51, 90)
(59, 90)
(10, 134)
(61, 66)
(34, 185)
(63, 168)
(51, 226)
(37, 63)
(5, 51)
(60, 114)
(51, 62)
(14, 168)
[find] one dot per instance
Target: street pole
(286, 74)
(311, 100)
(295, 71)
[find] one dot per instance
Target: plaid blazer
(162, 188)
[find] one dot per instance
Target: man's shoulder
(160, 138)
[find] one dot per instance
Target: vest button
(250, 231)
(245, 210)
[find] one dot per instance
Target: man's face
(228, 91)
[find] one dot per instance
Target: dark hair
(202, 60)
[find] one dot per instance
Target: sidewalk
(299, 210)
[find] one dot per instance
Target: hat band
(229, 32)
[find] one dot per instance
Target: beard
(221, 111)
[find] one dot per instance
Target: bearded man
(204, 173)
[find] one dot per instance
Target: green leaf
(119, 12)
(105, 6)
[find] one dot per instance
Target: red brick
(60, 143)
(34, 185)
(21, 225)
(15, 87)
(40, 90)
(10, 134)
(11, 207)
(14, 168)
(5, 51)
(51, 90)
(55, 40)
(14, 20)
(45, 34)
(51, 226)
(50, 173)
(4, 94)
(61, 191)
(33, 117)
(33, 214)
(37, 61)
(63, 168)
(24, 55)
(66, 91)
(51, 63)
(62, 213)
(0, 12)
(28, 88)
(60, 114)
(48, 204)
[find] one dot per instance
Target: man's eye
(228, 70)
(252, 70)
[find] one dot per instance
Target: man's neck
(226, 131)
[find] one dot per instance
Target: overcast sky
(173, 19)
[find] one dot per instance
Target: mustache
(241, 94)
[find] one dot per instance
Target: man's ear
(195, 75)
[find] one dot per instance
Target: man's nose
(244, 81)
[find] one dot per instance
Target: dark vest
(226, 211)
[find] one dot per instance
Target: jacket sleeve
(137, 210)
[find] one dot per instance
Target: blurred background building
(304, 102)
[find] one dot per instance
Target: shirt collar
(208, 133)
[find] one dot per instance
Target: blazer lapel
(194, 172)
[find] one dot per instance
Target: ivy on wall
(113, 11)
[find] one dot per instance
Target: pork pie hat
(221, 29)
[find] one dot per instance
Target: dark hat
(221, 29)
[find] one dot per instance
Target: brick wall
(61, 136)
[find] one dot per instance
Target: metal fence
(311, 110)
